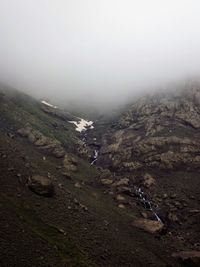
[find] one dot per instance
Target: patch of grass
(85, 172)
(17, 110)
(69, 253)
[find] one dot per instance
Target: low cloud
(97, 52)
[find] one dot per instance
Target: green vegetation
(20, 110)
(69, 253)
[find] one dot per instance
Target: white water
(95, 157)
(146, 202)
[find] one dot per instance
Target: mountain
(155, 145)
(124, 193)
(158, 131)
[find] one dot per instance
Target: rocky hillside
(158, 131)
(136, 205)
(155, 147)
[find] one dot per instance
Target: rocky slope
(155, 146)
(159, 131)
(135, 206)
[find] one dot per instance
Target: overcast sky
(97, 50)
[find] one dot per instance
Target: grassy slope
(103, 234)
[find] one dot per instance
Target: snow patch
(82, 125)
(48, 104)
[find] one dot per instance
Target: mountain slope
(55, 211)
(155, 145)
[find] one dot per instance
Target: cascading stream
(148, 205)
(95, 156)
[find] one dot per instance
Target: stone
(121, 206)
(106, 181)
(120, 198)
(165, 196)
(60, 230)
(41, 185)
(149, 226)
(77, 185)
(125, 190)
(149, 180)
(121, 182)
(70, 163)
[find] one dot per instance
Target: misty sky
(97, 50)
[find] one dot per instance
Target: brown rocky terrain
(155, 147)
(159, 131)
(137, 205)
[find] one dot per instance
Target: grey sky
(97, 50)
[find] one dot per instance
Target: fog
(97, 52)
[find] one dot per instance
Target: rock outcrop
(160, 131)
(70, 163)
(41, 185)
(149, 226)
(47, 144)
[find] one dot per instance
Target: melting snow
(48, 104)
(82, 125)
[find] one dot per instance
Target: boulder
(41, 185)
(106, 181)
(149, 226)
(121, 182)
(120, 198)
(121, 206)
(70, 163)
(149, 180)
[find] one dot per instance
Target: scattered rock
(70, 163)
(149, 180)
(106, 181)
(120, 198)
(121, 182)
(83, 207)
(149, 226)
(165, 196)
(125, 190)
(60, 230)
(77, 185)
(121, 206)
(41, 185)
